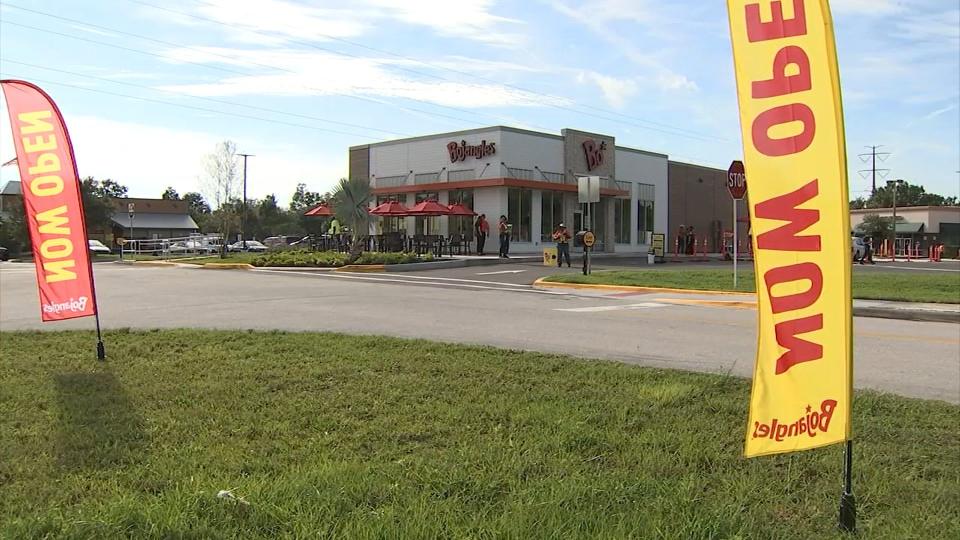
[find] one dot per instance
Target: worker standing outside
(562, 237)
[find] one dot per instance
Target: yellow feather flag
(791, 117)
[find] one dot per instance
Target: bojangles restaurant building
(528, 176)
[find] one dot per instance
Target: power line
(460, 72)
(183, 106)
(669, 131)
(873, 170)
(208, 66)
(214, 100)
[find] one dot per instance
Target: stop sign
(737, 180)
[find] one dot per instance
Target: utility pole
(243, 216)
(873, 170)
(894, 184)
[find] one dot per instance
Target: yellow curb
(739, 304)
(627, 288)
(154, 263)
(362, 268)
(227, 266)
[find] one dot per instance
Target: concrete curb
(433, 265)
(542, 283)
(903, 312)
(362, 268)
(226, 266)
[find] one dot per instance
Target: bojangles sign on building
(460, 152)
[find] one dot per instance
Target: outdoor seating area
(397, 241)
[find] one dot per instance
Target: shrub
(331, 259)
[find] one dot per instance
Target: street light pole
(243, 215)
(893, 185)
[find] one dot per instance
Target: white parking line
(524, 289)
(624, 307)
(429, 278)
(500, 272)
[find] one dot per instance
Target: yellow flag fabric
(791, 117)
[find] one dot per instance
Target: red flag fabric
(51, 197)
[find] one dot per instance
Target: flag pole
(848, 503)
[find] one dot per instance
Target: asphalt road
(528, 272)
(908, 358)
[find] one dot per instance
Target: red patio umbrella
(391, 209)
(428, 208)
(459, 209)
(321, 210)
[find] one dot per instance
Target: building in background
(925, 225)
(528, 176)
(152, 219)
(9, 195)
(699, 197)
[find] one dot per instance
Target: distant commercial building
(923, 224)
(528, 176)
(152, 219)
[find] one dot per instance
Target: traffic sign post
(588, 240)
(737, 186)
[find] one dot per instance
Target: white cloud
(306, 73)
(938, 112)
(866, 7)
(615, 91)
(657, 71)
(148, 158)
(278, 22)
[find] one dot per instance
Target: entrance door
(577, 221)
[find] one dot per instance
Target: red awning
(461, 210)
(321, 210)
(429, 207)
(391, 208)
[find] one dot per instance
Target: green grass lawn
(368, 437)
(941, 287)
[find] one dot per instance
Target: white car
(252, 245)
(97, 246)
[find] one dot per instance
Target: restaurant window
(551, 213)
(462, 224)
(391, 224)
(645, 213)
(621, 220)
(519, 213)
(433, 222)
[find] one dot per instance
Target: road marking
(740, 304)
(526, 289)
(500, 272)
(912, 268)
(431, 278)
(624, 307)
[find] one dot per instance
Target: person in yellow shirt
(562, 237)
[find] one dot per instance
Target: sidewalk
(882, 309)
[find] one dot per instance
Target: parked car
(280, 242)
(252, 245)
(191, 246)
(4, 254)
(858, 248)
(97, 247)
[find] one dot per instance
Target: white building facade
(528, 176)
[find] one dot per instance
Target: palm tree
(350, 199)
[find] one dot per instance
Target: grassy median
(368, 437)
(943, 287)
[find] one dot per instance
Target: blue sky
(150, 86)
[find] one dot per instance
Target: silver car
(859, 248)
